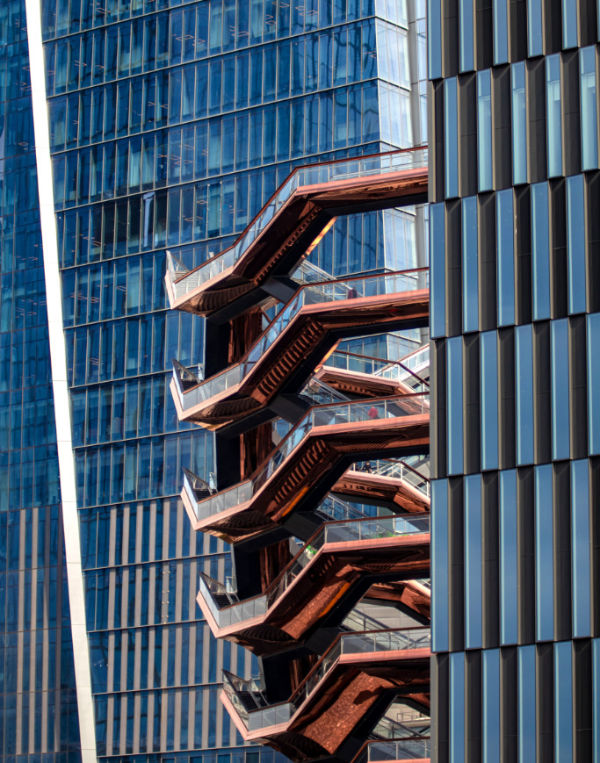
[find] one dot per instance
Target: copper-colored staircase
(331, 524)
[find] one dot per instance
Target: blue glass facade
(513, 249)
(170, 124)
(38, 707)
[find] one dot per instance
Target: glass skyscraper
(516, 332)
(158, 124)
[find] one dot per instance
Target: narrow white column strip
(58, 359)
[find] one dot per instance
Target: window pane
(455, 404)
(508, 558)
(519, 124)
(469, 262)
(451, 136)
(473, 562)
(540, 251)
(534, 27)
(491, 705)
(563, 702)
(524, 394)
(553, 116)
(506, 258)
(500, 8)
(484, 130)
(438, 268)
(489, 400)
(593, 380)
(588, 115)
(544, 554)
(439, 565)
(580, 551)
(576, 243)
(434, 38)
(559, 350)
(526, 704)
(457, 707)
(466, 35)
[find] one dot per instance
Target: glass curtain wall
(171, 124)
(38, 707)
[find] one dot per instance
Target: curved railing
(191, 394)
(263, 715)
(183, 282)
(363, 529)
(397, 370)
(319, 416)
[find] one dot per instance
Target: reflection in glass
(484, 129)
(553, 116)
(588, 115)
(519, 123)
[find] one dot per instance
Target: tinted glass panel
(473, 561)
(484, 130)
(489, 400)
(553, 116)
(437, 250)
(524, 393)
(451, 137)
(439, 564)
(544, 554)
(508, 558)
(519, 124)
(588, 114)
(469, 263)
(540, 251)
(506, 257)
(576, 243)
(580, 549)
(455, 404)
(559, 351)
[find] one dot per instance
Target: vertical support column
(60, 389)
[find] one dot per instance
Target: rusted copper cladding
(374, 488)
(359, 384)
(300, 347)
(341, 700)
(338, 574)
(409, 595)
(309, 472)
(279, 247)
